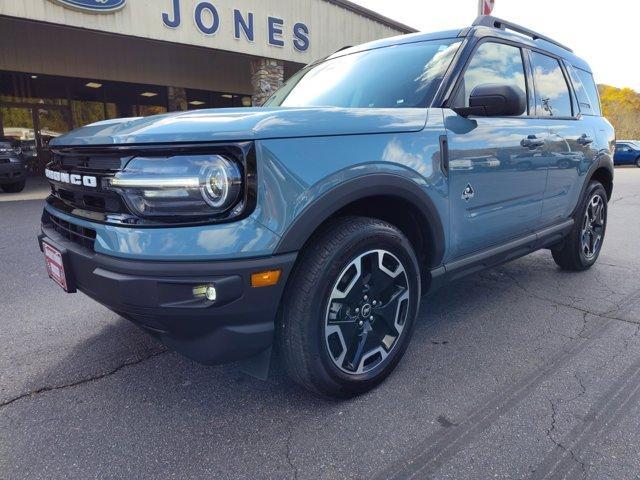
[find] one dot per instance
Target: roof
(375, 16)
(397, 40)
(478, 30)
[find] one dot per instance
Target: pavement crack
(52, 388)
(288, 452)
(550, 435)
(619, 199)
(609, 314)
(584, 324)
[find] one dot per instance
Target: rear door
(497, 170)
(572, 136)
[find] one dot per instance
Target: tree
(621, 106)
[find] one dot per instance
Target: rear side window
(552, 92)
(586, 91)
(491, 63)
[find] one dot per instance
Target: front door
(497, 169)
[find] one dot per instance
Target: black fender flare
(605, 161)
(359, 188)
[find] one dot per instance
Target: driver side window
(491, 63)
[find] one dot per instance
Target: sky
(604, 33)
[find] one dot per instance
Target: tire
(312, 345)
(638, 162)
(14, 187)
(574, 254)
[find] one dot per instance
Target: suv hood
(231, 124)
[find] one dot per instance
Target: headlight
(194, 186)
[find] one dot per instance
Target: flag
(487, 6)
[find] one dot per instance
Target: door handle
(532, 142)
(584, 140)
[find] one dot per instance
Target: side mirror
(495, 100)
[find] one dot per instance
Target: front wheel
(580, 250)
(348, 313)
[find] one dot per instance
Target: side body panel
(296, 175)
(497, 185)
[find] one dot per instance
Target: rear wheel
(14, 187)
(349, 309)
(638, 162)
(581, 248)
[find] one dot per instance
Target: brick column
(267, 75)
(177, 99)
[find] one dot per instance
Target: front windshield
(400, 76)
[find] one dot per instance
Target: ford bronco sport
(316, 223)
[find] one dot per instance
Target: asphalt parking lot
(523, 371)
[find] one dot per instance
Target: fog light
(206, 291)
(265, 279)
(211, 293)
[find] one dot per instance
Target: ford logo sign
(93, 6)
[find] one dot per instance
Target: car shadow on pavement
(120, 346)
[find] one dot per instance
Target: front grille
(81, 198)
(95, 201)
(78, 234)
(94, 164)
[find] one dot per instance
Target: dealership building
(67, 63)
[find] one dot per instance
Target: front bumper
(12, 172)
(158, 297)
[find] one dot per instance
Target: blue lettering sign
(275, 32)
(301, 37)
(240, 24)
(207, 19)
(215, 24)
(175, 23)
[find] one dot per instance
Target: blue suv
(316, 224)
(627, 153)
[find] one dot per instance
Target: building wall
(330, 26)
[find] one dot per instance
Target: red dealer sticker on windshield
(55, 266)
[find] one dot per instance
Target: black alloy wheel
(366, 311)
(582, 246)
(349, 307)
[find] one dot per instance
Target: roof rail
(494, 22)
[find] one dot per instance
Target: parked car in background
(13, 168)
(316, 223)
(627, 153)
(29, 151)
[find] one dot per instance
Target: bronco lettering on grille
(72, 178)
